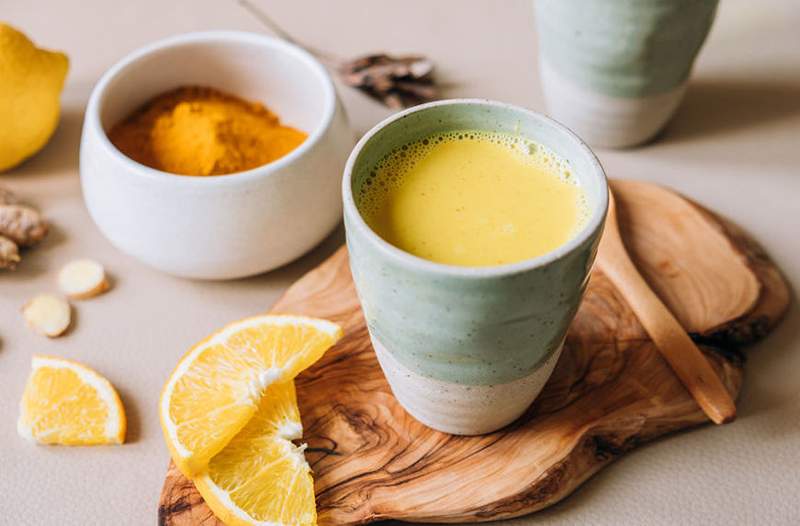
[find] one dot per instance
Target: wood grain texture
(610, 392)
(667, 333)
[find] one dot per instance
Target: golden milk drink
(473, 198)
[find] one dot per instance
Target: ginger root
(9, 253)
(7, 197)
(20, 226)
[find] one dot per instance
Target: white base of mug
(462, 409)
(602, 120)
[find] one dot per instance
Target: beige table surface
(734, 146)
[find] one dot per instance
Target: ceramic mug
(615, 71)
(467, 349)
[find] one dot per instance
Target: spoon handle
(685, 358)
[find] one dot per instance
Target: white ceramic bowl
(226, 226)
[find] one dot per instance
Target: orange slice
(217, 386)
(261, 477)
(67, 403)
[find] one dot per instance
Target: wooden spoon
(685, 358)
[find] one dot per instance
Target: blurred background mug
(615, 71)
(467, 349)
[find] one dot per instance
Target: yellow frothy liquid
(473, 198)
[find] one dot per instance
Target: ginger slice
(82, 279)
(48, 315)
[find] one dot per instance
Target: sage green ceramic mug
(615, 71)
(467, 349)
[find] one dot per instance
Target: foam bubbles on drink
(387, 174)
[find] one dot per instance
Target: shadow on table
(760, 396)
(36, 260)
(133, 417)
(294, 270)
(715, 107)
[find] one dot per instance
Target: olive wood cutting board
(610, 391)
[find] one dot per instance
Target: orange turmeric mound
(203, 131)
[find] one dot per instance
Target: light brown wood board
(610, 392)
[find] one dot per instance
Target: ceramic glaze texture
(488, 327)
(468, 329)
(614, 71)
(453, 407)
(605, 120)
(229, 226)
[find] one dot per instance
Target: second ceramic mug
(615, 71)
(467, 349)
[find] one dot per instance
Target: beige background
(734, 146)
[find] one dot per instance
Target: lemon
(30, 86)
(261, 476)
(217, 386)
(67, 403)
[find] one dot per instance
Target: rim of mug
(100, 91)
(595, 221)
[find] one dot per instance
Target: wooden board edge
(775, 297)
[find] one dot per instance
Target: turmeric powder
(203, 131)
